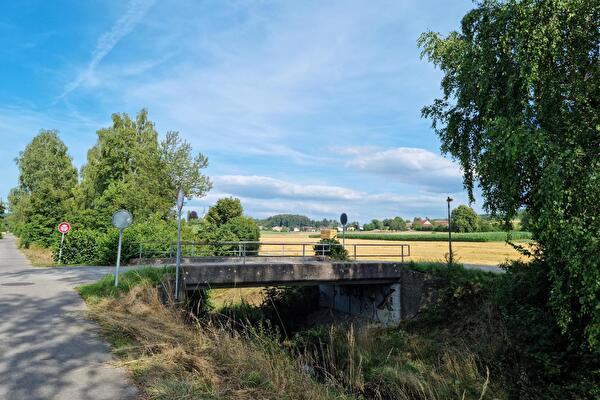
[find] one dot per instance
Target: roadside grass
(105, 288)
(173, 355)
(38, 256)
(441, 236)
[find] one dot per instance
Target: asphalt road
(48, 349)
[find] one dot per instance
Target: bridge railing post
(303, 250)
(354, 245)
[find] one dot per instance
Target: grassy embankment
(516, 236)
(173, 355)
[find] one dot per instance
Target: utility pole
(450, 256)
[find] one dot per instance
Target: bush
(95, 247)
(81, 246)
(331, 248)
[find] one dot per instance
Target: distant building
(277, 228)
(426, 223)
(296, 229)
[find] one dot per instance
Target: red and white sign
(64, 227)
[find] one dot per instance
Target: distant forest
(294, 221)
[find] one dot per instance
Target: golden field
(485, 253)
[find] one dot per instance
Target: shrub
(331, 248)
(81, 246)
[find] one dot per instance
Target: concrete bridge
(383, 291)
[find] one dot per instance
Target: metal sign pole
(180, 198)
(450, 255)
(118, 258)
(62, 239)
(178, 255)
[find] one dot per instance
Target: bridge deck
(273, 271)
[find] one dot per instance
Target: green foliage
(223, 211)
(46, 181)
(397, 224)
(464, 219)
(105, 287)
(331, 248)
(225, 222)
(373, 225)
(442, 237)
(94, 247)
(292, 221)
(128, 168)
(519, 111)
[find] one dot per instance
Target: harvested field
(485, 253)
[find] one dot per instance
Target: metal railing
(355, 251)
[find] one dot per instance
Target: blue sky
(302, 107)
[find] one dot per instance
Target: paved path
(48, 349)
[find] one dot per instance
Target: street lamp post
(450, 256)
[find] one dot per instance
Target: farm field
(440, 236)
(485, 253)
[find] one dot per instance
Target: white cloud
(263, 187)
(263, 196)
(136, 9)
(411, 165)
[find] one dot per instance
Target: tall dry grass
(170, 359)
(173, 356)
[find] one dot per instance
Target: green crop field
(440, 236)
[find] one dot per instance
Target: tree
(520, 112)
(226, 223)
(464, 219)
(183, 168)
(397, 224)
(192, 215)
(128, 168)
(46, 181)
(224, 210)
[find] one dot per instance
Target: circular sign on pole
(64, 227)
(344, 219)
(122, 219)
(180, 197)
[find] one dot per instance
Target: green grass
(441, 236)
(105, 287)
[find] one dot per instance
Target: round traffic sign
(180, 198)
(122, 219)
(344, 219)
(64, 227)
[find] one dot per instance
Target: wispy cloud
(136, 9)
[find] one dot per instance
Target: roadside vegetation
(140, 173)
(487, 336)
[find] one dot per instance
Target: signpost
(120, 219)
(180, 198)
(63, 227)
(450, 255)
(344, 221)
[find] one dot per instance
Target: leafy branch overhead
(520, 111)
